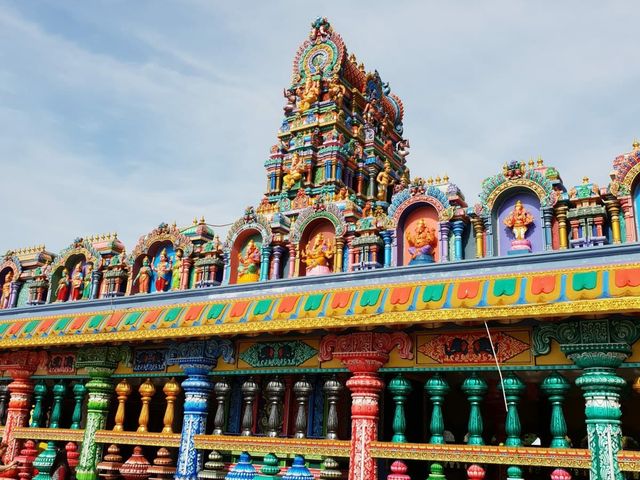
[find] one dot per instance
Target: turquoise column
(265, 256)
(475, 388)
(458, 230)
(400, 388)
(437, 387)
(197, 359)
(44, 462)
(555, 386)
(39, 392)
(387, 238)
(513, 389)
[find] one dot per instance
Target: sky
(117, 115)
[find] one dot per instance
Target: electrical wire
(495, 357)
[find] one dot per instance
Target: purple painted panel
(535, 233)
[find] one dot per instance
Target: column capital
(200, 356)
(102, 361)
(24, 363)
(365, 351)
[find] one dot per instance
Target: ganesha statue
(422, 242)
(519, 221)
(317, 255)
(249, 263)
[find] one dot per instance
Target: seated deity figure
(77, 282)
(63, 287)
(422, 243)
(518, 220)
(294, 173)
(163, 271)
(6, 290)
(144, 276)
(249, 263)
(317, 255)
(176, 271)
(309, 94)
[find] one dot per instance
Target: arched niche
(245, 257)
(503, 206)
(153, 254)
(318, 258)
(408, 223)
(9, 273)
(79, 265)
(635, 195)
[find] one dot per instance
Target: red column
(184, 278)
(363, 354)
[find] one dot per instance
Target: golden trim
(150, 439)
(300, 446)
(53, 434)
(629, 461)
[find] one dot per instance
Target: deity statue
(294, 173)
(249, 263)
(6, 290)
(77, 282)
(291, 97)
(176, 271)
(309, 94)
(402, 147)
(422, 243)
(144, 276)
(63, 287)
(384, 180)
(317, 255)
(163, 271)
(86, 288)
(336, 91)
(518, 220)
(367, 210)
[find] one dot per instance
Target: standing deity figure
(518, 221)
(163, 271)
(384, 180)
(77, 282)
(294, 173)
(86, 287)
(291, 97)
(317, 255)
(6, 290)
(336, 90)
(63, 287)
(176, 271)
(422, 243)
(309, 94)
(249, 263)
(144, 276)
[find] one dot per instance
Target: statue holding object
(163, 271)
(63, 287)
(77, 282)
(519, 220)
(176, 271)
(422, 243)
(294, 173)
(317, 255)
(6, 290)
(144, 276)
(249, 263)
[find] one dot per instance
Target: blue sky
(118, 115)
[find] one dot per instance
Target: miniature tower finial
(636, 144)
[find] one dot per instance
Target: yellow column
(337, 265)
(171, 390)
(147, 390)
(478, 230)
(561, 215)
(614, 214)
(123, 390)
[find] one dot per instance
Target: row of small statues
(167, 273)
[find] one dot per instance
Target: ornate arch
(249, 221)
(329, 212)
(323, 52)
(430, 195)
(13, 262)
(627, 168)
(162, 233)
(80, 246)
(494, 187)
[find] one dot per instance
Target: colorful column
(614, 215)
(265, 255)
(555, 387)
(458, 230)
(100, 363)
(400, 388)
(561, 216)
(387, 238)
(445, 231)
(513, 388)
(437, 387)
(475, 389)
(363, 354)
(547, 216)
(197, 359)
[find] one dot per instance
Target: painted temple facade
(357, 322)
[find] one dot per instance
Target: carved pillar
(561, 216)
(363, 354)
(196, 358)
(185, 271)
(400, 388)
(222, 389)
(123, 390)
(250, 391)
(226, 272)
(332, 388)
(478, 232)
(555, 386)
(4, 398)
(37, 414)
(171, 391)
(274, 392)
(79, 391)
(475, 388)
(458, 230)
(292, 260)
(302, 389)
(387, 238)
(14, 291)
(513, 389)
(547, 216)
(445, 231)
(265, 256)
(147, 390)
(630, 223)
(59, 390)
(100, 363)
(437, 387)
(352, 254)
(96, 276)
(614, 215)
(278, 250)
(45, 460)
(339, 256)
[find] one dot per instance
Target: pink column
(186, 268)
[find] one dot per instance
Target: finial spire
(636, 144)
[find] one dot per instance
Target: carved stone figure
(384, 180)
(77, 282)
(63, 287)
(144, 276)
(519, 220)
(422, 243)
(176, 271)
(249, 264)
(6, 290)
(317, 255)
(163, 271)
(86, 286)
(309, 94)
(294, 173)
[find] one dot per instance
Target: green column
(79, 391)
(555, 386)
(100, 363)
(437, 387)
(39, 392)
(513, 389)
(400, 388)
(601, 389)
(475, 388)
(59, 389)
(44, 462)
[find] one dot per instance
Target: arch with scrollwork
(494, 187)
(12, 262)
(330, 212)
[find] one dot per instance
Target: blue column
(227, 267)
(445, 230)
(489, 229)
(387, 238)
(547, 215)
(458, 229)
(197, 358)
(265, 256)
(96, 275)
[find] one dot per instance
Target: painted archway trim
(627, 168)
(163, 233)
(494, 187)
(78, 247)
(330, 212)
(432, 196)
(255, 222)
(13, 263)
